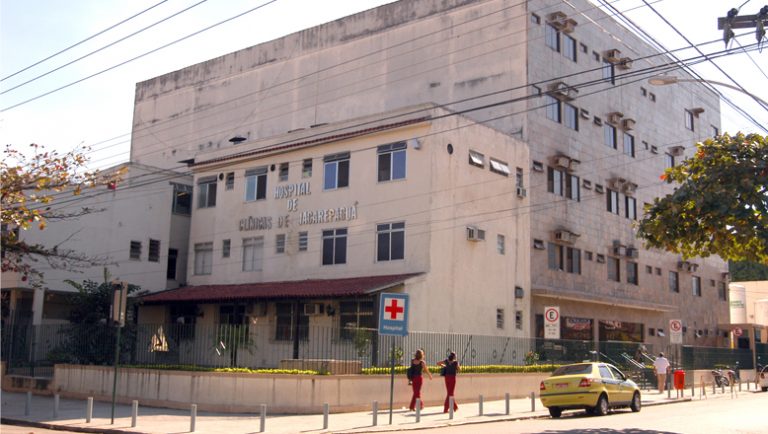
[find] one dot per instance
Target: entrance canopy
(315, 288)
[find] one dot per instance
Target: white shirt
(661, 364)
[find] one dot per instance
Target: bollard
(89, 410)
(693, 387)
(722, 388)
(375, 406)
(56, 405)
(193, 417)
(506, 403)
(418, 410)
(739, 385)
(714, 391)
(450, 407)
(28, 404)
(134, 413)
(480, 405)
(325, 416)
(731, 390)
(263, 418)
(533, 401)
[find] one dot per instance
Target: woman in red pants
(451, 368)
(418, 365)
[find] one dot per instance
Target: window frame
(553, 107)
(696, 286)
(303, 241)
(498, 166)
(256, 184)
(153, 253)
(612, 201)
(306, 168)
(629, 144)
(552, 37)
(673, 281)
(179, 190)
(613, 265)
(254, 263)
(689, 123)
(134, 252)
(203, 251)
(610, 137)
(501, 244)
(388, 235)
(476, 158)
(336, 171)
(630, 207)
(280, 242)
(394, 156)
(632, 272)
(336, 241)
(283, 171)
(206, 192)
(571, 116)
(570, 47)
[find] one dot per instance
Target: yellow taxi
(595, 387)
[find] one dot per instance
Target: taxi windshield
(573, 370)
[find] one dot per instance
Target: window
(608, 71)
(135, 252)
(564, 258)
(588, 255)
(721, 294)
(648, 269)
(612, 201)
(182, 199)
(696, 285)
(519, 319)
(569, 47)
(674, 282)
(390, 241)
(280, 243)
(306, 168)
(253, 254)
(335, 246)
(643, 91)
(652, 96)
(632, 273)
(285, 326)
(203, 258)
(229, 184)
(170, 271)
(553, 108)
(499, 318)
(256, 184)
(226, 247)
(583, 47)
(563, 184)
(689, 120)
(206, 192)
(609, 134)
(614, 273)
(501, 244)
(154, 250)
(535, 19)
(571, 117)
(499, 167)
(282, 174)
(476, 158)
(552, 37)
(232, 314)
(303, 241)
(630, 207)
(629, 145)
(519, 178)
(354, 315)
(669, 161)
(336, 171)
(392, 161)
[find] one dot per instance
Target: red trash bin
(679, 379)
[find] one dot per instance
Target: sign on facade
(675, 331)
(552, 322)
(393, 314)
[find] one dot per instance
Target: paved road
(747, 414)
(12, 429)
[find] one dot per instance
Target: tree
(30, 186)
(720, 206)
(744, 271)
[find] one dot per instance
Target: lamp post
(663, 80)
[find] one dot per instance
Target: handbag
(442, 371)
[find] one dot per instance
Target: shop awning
(316, 288)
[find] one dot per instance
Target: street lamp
(663, 80)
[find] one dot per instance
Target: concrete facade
(500, 63)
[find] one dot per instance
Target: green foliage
(721, 204)
(531, 358)
(231, 370)
(483, 369)
(745, 271)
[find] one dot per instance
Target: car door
(610, 383)
(625, 387)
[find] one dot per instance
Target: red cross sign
(393, 310)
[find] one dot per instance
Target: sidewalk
(72, 413)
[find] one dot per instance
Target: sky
(98, 111)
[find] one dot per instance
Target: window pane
(398, 245)
(398, 165)
(343, 173)
(250, 188)
(382, 249)
(385, 161)
(330, 175)
(341, 250)
(261, 187)
(327, 250)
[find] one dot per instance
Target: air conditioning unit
(584, 114)
(566, 236)
(628, 124)
(521, 192)
(562, 91)
(475, 234)
(629, 188)
(686, 266)
(619, 250)
(615, 118)
(676, 151)
(625, 63)
(560, 21)
(618, 183)
(313, 309)
(257, 310)
(632, 252)
(562, 161)
(613, 56)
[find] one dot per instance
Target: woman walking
(418, 365)
(450, 368)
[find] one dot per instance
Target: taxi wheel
(635, 405)
(601, 409)
(555, 412)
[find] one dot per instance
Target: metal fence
(32, 350)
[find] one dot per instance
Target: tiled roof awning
(273, 290)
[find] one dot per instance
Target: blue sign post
(393, 321)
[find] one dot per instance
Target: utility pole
(733, 20)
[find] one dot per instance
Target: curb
(54, 427)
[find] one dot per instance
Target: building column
(38, 301)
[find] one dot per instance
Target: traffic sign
(552, 322)
(737, 332)
(393, 314)
(675, 331)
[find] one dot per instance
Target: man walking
(660, 368)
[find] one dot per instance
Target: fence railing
(32, 350)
